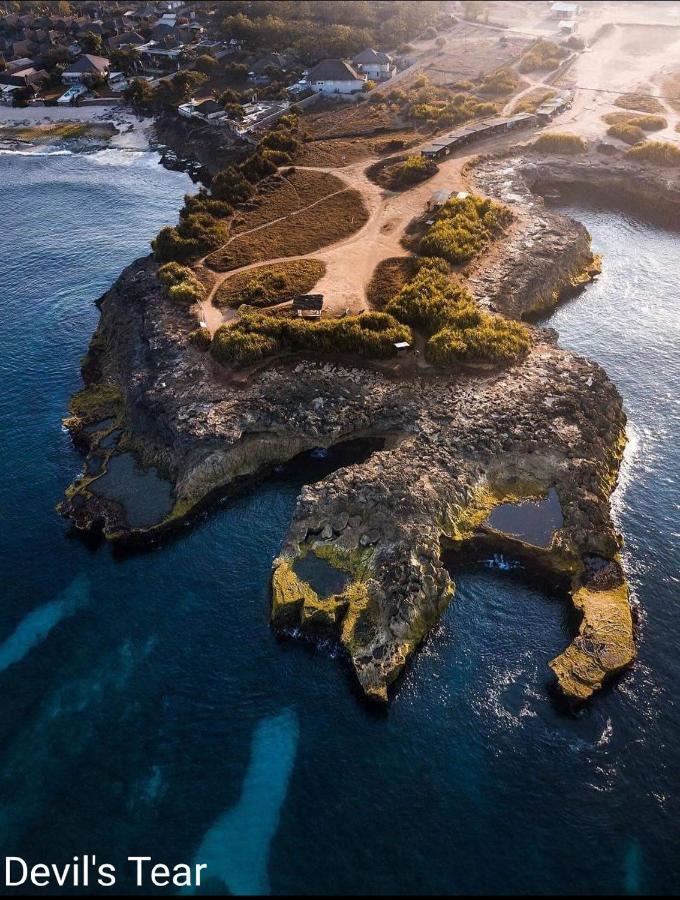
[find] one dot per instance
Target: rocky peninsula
(453, 446)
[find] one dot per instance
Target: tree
(231, 186)
(21, 96)
(206, 63)
(124, 59)
(91, 43)
(139, 93)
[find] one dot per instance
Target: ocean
(147, 708)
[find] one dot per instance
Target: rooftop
(334, 70)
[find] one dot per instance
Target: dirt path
(350, 262)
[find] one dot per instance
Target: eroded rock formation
(456, 445)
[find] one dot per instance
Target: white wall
(336, 87)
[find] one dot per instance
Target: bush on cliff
(255, 335)
(231, 186)
(201, 338)
(437, 305)
(463, 228)
(493, 339)
(659, 153)
(196, 234)
(559, 142)
(182, 285)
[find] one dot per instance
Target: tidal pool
(533, 521)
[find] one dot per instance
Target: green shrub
(543, 55)
(643, 102)
(463, 228)
(494, 339)
(168, 245)
(659, 153)
(186, 292)
(230, 185)
(201, 338)
(442, 309)
(173, 273)
(649, 122)
(372, 335)
(202, 202)
(280, 140)
(626, 132)
(181, 283)
(233, 345)
(257, 167)
(559, 142)
(500, 83)
(428, 299)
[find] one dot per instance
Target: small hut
(308, 306)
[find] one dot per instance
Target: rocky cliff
(456, 445)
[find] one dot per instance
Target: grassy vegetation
(201, 338)
(283, 194)
(463, 228)
(659, 153)
(96, 401)
(196, 234)
(531, 101)
(344, 151)
(642, 102)
(330, 220)
(643, 121)
(493, 340)
(543, 55)
(273, 283)
(500, 83)
(389, 278)
(399, 176)
(630, 134)
(181, 284)
(370, 334)
(559, 142)
(439, 306)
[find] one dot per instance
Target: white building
(563, 10)
(335, 76)
(376, 65)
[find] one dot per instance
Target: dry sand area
(625, 57)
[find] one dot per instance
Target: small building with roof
(376, 65)
(335, 76)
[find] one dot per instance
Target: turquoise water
(148, 709)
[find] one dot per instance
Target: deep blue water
(146, 708)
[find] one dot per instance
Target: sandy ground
(350, 263)
(133, 132)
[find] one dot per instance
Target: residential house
(125, 40)
(376, 65)
(335, 76)
(85, 66)
(23, 77)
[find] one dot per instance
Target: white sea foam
(34, 628)
(236, 847)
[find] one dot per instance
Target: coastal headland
(452, 445)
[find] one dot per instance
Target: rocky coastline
(454, 447)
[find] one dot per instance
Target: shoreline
(131, 132)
